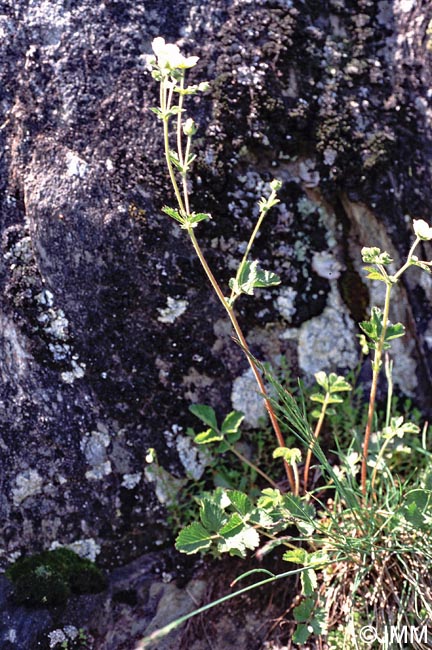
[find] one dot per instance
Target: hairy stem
(244, 345)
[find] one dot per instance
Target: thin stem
(244, 344)
(374, 386)
(315, 437)
(251, 240)
(251, 464)
(408, 262)
(168, 160)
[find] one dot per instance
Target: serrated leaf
(338, 384)
(297, 556)
(321, 379)
(394, 331)
(303, 611)
(193, 538)
(309, 582)
(233, 526)
(174, 214)
(208, 436)
(157, 112)
(374, 274)
(301, 634)
(423, 265)
(212, 516)
(319, 621)
(266, 279)
(205, 413)
(240, 502)
(270, 498)
(195, 218)
(261, 518)
(232, 422)
(317, 397)
(236, 544)
(334, 399)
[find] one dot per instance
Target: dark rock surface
(332, 97)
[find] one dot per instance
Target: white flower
(169, 56)
(422, 229)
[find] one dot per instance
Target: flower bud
(276, 185)
(189, 127)
(422, 229)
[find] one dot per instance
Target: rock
(107, 322)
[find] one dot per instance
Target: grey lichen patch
(28, 484)
(326, 265)
(328, 342)
(246, 398)
(85, 548)
(166, 485)
(174, 309)
(131, 480)
(94, 445)
(285, 303)
(193, 459)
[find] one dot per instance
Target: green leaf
(193, 538)
(208, 436)
(303, 611)
(374, 274)
(394, 331)
(205, 413)
(232, 422)
(174, 214)
(195, 218)
(301, 634)
(270, 498)
(266, 279)
(309, 582)
(297, 556)
(317, 397)
(237, 537)
(212, 516)
(157, 112)
(240, 502)
(319, 621)
(338, 384)
(322, 379)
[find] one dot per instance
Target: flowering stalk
(379, 329)
(169, 69)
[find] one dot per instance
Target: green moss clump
(50, 577)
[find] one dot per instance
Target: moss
(51, 577)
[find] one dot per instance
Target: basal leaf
(193, 538)
(212, 516)
(232, 422)
(205, 413)
(240, 502)
(208, 436)
(301, 634)
(309, 582)
(237, 544)
(303, 611)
